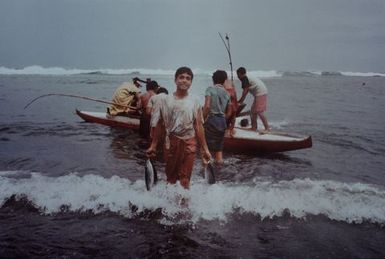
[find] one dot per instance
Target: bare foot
(219, 162)
(265, 131)
(232, 132)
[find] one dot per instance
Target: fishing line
(77, 96)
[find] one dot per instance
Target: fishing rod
(227, 46)
(77, 96)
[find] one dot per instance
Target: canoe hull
(108, 120)
(244, 141)
(265, 146)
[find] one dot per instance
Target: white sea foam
(264, 74)
(362, 74)
(39, 70)
(349, 202)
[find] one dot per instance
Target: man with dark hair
(181, 115)
(259, 91)
(144, 126)
(215, 111)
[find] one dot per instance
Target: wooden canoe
(243, 141)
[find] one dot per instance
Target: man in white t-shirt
(259, 91)
(181, 115)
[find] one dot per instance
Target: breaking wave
(38, 70)
(367, 74)
(348, 202)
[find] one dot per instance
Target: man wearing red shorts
(259, 91)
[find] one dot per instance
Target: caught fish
(210, 173)
(150, 174)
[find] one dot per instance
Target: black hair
(241, 70)
(183, 70)
(219, 77)
(161, 90)
(152, 85)
(244, 122)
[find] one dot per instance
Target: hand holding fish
(151, 151)
(206, 156)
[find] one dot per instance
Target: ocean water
(74, 189)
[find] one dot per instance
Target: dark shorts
(144, 126)
(215, 127)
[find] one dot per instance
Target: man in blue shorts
(215, 111)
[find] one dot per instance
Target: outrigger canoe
(243, 141)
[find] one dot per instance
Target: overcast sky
(343, 35)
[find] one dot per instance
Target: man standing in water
(144, 127)
(215, 112)
(259, 91)
(181, 115)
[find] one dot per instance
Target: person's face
(239, 75)
(183, 82)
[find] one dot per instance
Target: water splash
(348, 202)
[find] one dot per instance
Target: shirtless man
(144, 127)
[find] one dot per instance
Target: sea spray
(349, 202)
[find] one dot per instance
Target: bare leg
(264, 121)
(232, 130)
(253, 118)
(219, 157)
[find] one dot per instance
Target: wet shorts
(259, 104)
(215, 127)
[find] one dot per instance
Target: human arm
(245, 86)
(200, 135)
(136, 108)
(156, 134)
(157, 129)
(229, 111)
(139, 103)
(148, 110)
(150, 105)
(137, 79)
(135, 104)
(244, 93)
(206, 107)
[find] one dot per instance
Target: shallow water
(70, 188)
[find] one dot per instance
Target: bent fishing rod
(80, 97)
(227, 46)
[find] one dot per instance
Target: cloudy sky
(343, 35)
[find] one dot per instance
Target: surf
(299, 198)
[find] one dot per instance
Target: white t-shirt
(154, 100)
(257, 85)
(178, 115)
